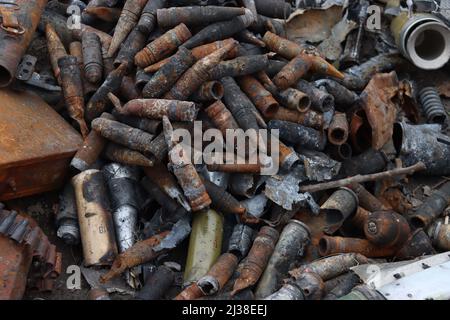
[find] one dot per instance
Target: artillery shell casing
(163, 46)
(56, 49)
(96, 225)
(257, 259)
(168, 18)
(240, 66)
(290, 246)
(92, 57)
(240, 240)
(90, 151)
(308, 119)
(73, 90)
(199, 73)
(292, 72)
(99, 101)
(221, 117)
(67, 217)
(220, 30)
(209, 91)
(163, 80)
(386, 228)
(117, 153)
(262, 98)
(122, 134)
(148, 125)
(157, 285)
(134, 43)
(205, 244)
(239, 104)
(299, 135)
(218, 275)
(147, 22)
(158, 108)
(128, 19)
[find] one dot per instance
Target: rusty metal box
(36, 145)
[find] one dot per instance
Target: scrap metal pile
(94, 94)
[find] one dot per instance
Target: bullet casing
(92, 57)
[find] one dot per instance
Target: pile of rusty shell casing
(157, 284)
(386, 229)
(209, 91)
(96, 224)
(116, 153)
(297, 134)
(439, 233)
(342, 204)
(156, 109)
(257, 259)
(205, 244)
(240, 66)
(331, 267)
(367, 200)
(218, 275)
(199, 73)
(121, 181)
(124, 135)
(141, 252)
(342, 286)
(261, 98)
(91, 149)
(338, 129)
(16, 38)
(370, 161)
(168, 18)
(56, 49)
(72, 86)
(239, 104)
(148, 125)
(163, 80)
(222, 200)
(291, 245)
(67, 217)
(221, 117)
(92, 57)
(147, 22)
(99, 101)
(332, 245)
(240, 240)
(134, 43)
(431, 208)
(221, 30)
(128, 19)
(162, 46)
(308, 119)
(320, 100)
(425, 143)
(344, 98)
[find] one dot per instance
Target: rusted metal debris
(355, 114)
